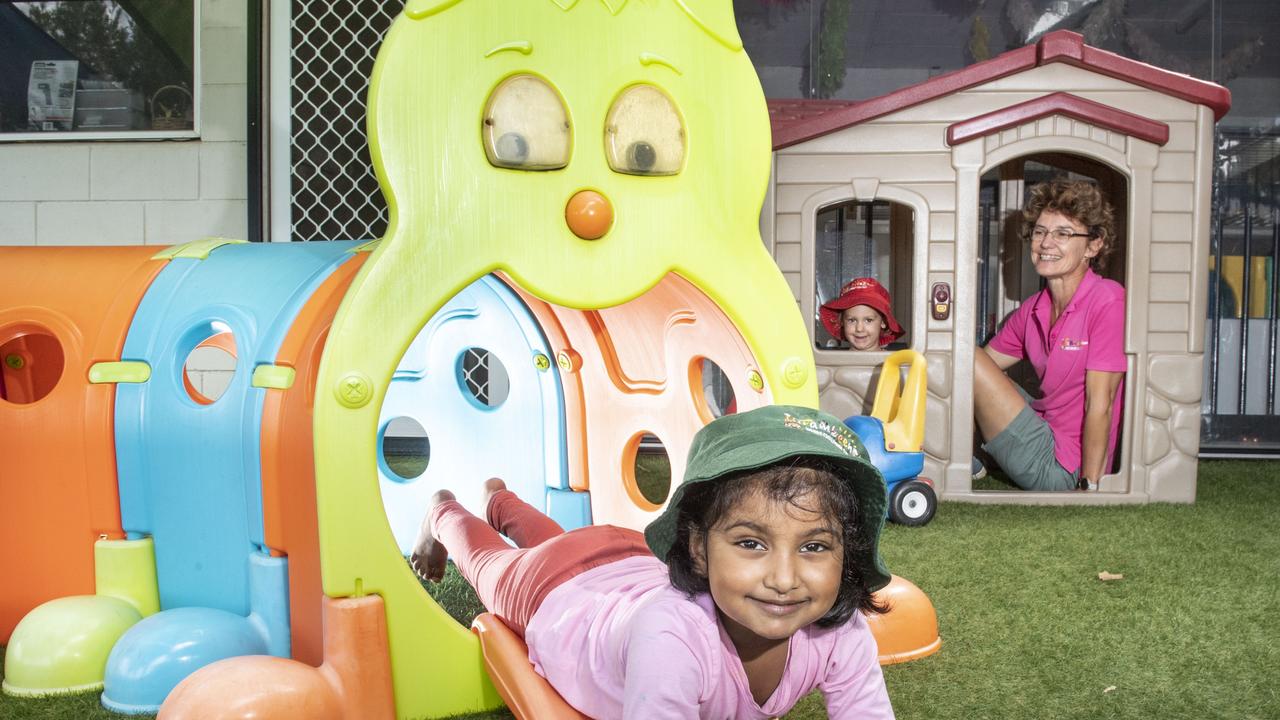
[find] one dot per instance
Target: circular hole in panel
(711, 384)
(30, 366)
(652, 470)
(210, 366)
(484, 378)
(405, 449)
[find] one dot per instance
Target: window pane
(863, 239)
(96, 66)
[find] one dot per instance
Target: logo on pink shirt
(1069, 344)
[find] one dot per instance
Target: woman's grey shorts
(1024, 450)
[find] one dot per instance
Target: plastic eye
(526, 126)
(644, 134)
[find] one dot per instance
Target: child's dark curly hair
(802, 478)
(1081, 201)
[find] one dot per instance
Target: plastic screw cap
(589, 214)
(794, 373)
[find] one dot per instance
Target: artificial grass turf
(1030, 632)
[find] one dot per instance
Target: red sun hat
(861, 291)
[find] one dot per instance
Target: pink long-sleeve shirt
(618, 641)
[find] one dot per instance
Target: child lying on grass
(739, 600)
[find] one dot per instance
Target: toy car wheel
(912, 503)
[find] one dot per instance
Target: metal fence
(1240, 399)
(333, 192)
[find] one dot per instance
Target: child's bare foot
(491, 488)
(429, 554)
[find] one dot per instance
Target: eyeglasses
(1061, 234)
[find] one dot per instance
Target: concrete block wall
(155, 192)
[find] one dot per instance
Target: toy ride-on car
(894, 437)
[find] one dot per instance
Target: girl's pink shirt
(618, 641)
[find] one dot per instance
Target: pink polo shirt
(618, 641)
(1088, 336)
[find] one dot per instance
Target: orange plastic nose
(588, 214)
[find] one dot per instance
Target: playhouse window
(90, 68)
(863, 239)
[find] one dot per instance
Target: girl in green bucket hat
(741, 598)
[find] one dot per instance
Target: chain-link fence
(333, 192)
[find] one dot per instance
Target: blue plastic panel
(527, 427)
(189, 473)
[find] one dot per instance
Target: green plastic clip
(273, 376)
(197, 249)
(123, 371)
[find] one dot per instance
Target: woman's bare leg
(996, 400)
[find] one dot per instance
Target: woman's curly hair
(1081, 201)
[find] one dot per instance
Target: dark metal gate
(1239, 407)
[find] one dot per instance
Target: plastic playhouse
(947, 161)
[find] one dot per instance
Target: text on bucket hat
(768, 436)
(861, 291)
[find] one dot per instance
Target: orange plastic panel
(527, 694)
(909, 631)
(57, 454)
(288, 461)
(353, 683)
(225, 342)
(632, 369)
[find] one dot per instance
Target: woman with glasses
(1072, 334)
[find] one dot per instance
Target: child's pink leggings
(512, 582)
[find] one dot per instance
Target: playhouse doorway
(1006, 276)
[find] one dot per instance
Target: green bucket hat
(770, 435)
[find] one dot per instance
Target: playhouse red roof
(795, 121)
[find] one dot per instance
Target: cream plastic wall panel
(943, 227)
(941, 196)
(791, 196)
(793, 281)
(1166, 342)
(1182, 136)
(1173, 196)
(788, 256)
(1057, 75)
(1173, 227)
(1170, 257)
(1202, 212)
(1167, 317)
(942, 257)
(877, 137)
(960, 106)
(787, 229)
(1176, 167)
(837, 169)
(940, 341)
(1171, 287)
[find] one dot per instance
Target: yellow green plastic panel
(122, 371)
(196, 249)
(126, 569)
(273, 376)
(454, 217)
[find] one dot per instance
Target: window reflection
(96, 66)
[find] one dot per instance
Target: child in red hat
(861, 315)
